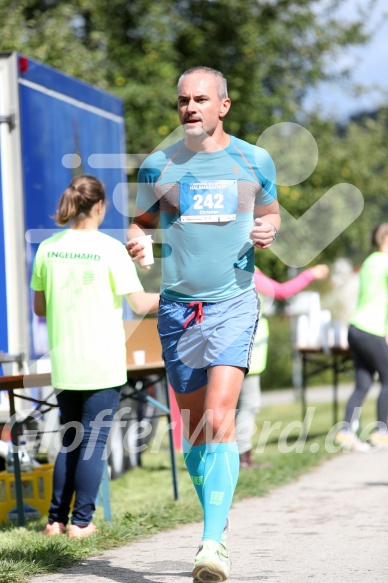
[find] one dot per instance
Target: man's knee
(220, 423)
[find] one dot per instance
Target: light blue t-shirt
(206, 203)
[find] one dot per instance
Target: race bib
(208, 202)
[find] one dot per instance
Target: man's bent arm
(270, 213)
(142, 223)
(266, 225)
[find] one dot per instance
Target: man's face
(199, 107)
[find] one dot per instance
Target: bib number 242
(209, 201)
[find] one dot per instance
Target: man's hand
(263, 234)
(142, 224)
(136, 252)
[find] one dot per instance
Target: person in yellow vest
(248, 404)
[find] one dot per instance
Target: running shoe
(211, 563)
(351, 442)
(225, 532)
(379, 439)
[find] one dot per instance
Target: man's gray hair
(222, 85)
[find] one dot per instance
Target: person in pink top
(267, 286)
(248, 404)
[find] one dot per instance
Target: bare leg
(212, 421)
(218, 399)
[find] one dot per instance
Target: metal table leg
(16, 462)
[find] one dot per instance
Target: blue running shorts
(218, 333)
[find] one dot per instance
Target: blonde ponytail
(78, 199)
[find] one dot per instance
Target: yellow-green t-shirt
(371, 313)
(84, 275)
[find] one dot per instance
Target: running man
(215, 198)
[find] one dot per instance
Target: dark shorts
(225, 337)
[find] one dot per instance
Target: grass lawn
(142, 500)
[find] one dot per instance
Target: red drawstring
(197, 314)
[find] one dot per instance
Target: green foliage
(271, 52)
(48, 32)
(141, 55)
(355, 154)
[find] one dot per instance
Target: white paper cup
(138, 357)
(148, 258)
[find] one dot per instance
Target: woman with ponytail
(79, 278)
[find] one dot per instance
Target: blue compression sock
(194, 456)
(222, 466)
